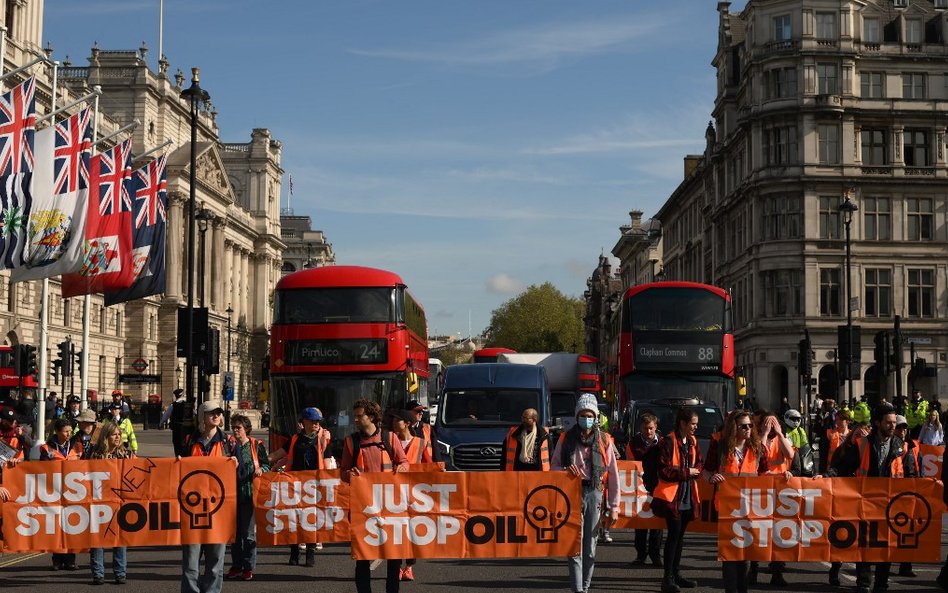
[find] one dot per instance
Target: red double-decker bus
(676, 341)
(339, 334)
(9, 380)
(490, 354)
(588, 378)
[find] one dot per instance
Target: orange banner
(830, 519)
(465, 515)
(634, 503)
(77, 505)
(301, 507)
(929, 460)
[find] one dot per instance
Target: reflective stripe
(895, 468)
(668, 490)
(416, 449)
(773, 454)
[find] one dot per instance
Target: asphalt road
(158, 569)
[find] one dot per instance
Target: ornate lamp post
(846, 209)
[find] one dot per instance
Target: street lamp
(230, 313)
(203, 218)
(846, 210)
(195, 96)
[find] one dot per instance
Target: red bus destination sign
(323, 352)
(703, 353)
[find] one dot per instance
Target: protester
(308, 449)
(942, 579)
(675, 498)
(931, 432)
(60, 447)
(880, 453)
(419, 428)
(252, 461)
(527, 445)
(12, 434)
(588, 454)
(208, 441)
(643, 447)
(118, 397)
(108, 445)
(416, 452)
(834, 438)
(129, 440)
(911, 458)
(372, 449)
(83, 436)
(780, 454)
(739, 452)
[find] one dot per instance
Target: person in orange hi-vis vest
(418, 426)
(675, 498)
(60, 447)
(372, 449)
(527, 446)
(589, 454)
(417, 451)
(835, 437)
(208, 441)
(252, 461)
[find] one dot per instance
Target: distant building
(305, 248)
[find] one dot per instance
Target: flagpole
(3, 49)
(152, 151)
(161, 29)
(87, 299)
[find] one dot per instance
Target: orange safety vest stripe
(71, 455)
(415, 450)
(322, 441)
(216, 451)
(605, 443)
(777, 463)
(668, 490)
(896, 468)
(360, 460)
(511, 451)
(747, 467)
(835, 439)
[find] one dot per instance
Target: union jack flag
(115, 173)
(73, 145)
(151, 195)
(17, 125)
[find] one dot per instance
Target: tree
(540, 319)
(452, 354)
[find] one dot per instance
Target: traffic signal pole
(897, 363)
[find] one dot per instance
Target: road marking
(375, 564)
(20, 559)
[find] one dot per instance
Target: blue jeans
(581, 567)
(192, 581)
(97, 562)
(243, 552)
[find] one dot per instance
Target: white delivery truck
(562, 373)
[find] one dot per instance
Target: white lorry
(562, 373)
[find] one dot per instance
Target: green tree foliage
(452, 354)
(540, 319)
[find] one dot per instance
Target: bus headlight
(444, 448)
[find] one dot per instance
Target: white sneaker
(319, 546)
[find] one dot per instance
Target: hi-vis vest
(668, 490)
(254, 444)
(511, 450)
(14, 444)
(359, 460)
(605, 443)
(835, 439)
(321, 442)
(415, 452)
(217, 449)
(73, 453)
(776, 461)
(747, 467)
(895, 467)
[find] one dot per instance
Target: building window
(877, 217)
(871, 30)
(921, 223)
(826, 26)
(913, 85)
(66, 308)
(878, 293)
(780, 145)
(874, 148)
(829, 144)
(913, 31)
(872, 85)
(829, 217)
(785, 292)
(921, 293)
(782, 218)
(827, 79)
(830, 292)
(783, 83)
(782, 29)
(916, 148)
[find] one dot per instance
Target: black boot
(294, 555)
(834, 575)
(752, 575)
(668, 582)
(311, 555)
(656, 557)
(685, 583)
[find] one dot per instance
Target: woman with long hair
(738, 453)
(932, 432)
(108, 445)
(676, 496)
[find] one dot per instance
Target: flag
(148, 234)
(55, 229)
(107, 252)
(17, 125)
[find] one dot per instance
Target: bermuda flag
(17, 123)
(107, 255)
(56, 226)
(148, 234)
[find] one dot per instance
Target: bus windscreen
(335, 305)
(671, 309)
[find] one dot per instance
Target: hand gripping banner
(465, 515)
(635, 503)
(77, 505)
(301, 507)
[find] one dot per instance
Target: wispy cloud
(504, 284)
(547, 44)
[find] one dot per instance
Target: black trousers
(735, 576)
(363, 576)
(676, 528)
(648, 541)
(864, 575)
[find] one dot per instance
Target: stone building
(305, 248)
(240, 239)
(815, 97)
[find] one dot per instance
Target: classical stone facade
(815, 97)
(305, 247)
(238, 184)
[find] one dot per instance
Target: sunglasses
(744, 426)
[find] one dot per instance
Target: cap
(116, 392)
(405, 415)
(900, 421)
(74, 399)
(86, 415)
(7, 414)
(178, 391)
(115, 406)
(210, 405)
(587, 401)
(312, 414)
(414, 406)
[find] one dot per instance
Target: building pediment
(210, 173)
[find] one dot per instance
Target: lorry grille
(484, 457)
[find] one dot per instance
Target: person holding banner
(108, 445)
(644, 447)
(372, 449)
(879, 454)
(588, 454)
(911, 457)
(85, 431)
(252, 461)
(527, 445)
(676, 496)
(12, 435)
(417, 451)
(209, 441)
(835, 437)
(60, 447)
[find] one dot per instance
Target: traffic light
(896, 359)
(78, 356)
(881, 353)
(805, 358)
(31, 366)
(18, 360)
(65, 363)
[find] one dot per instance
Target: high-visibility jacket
(510, 458)
(417, 451)
(916, 414)
(217, 448)
(49, 453)
(746, 468)
(667, 491)
(605, 443)
(387, 448)
(14, 443)
(128, 434)
(895, 466)
(834, 439)
(778, 463)
(321, 442)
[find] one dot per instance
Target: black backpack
(356, 439)
(650, 467)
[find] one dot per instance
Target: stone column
(175, 249)
(245, 288)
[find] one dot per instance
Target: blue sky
(474, 147)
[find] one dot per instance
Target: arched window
(779, 383)
(828, 382)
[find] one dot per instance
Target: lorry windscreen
(480, 407)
